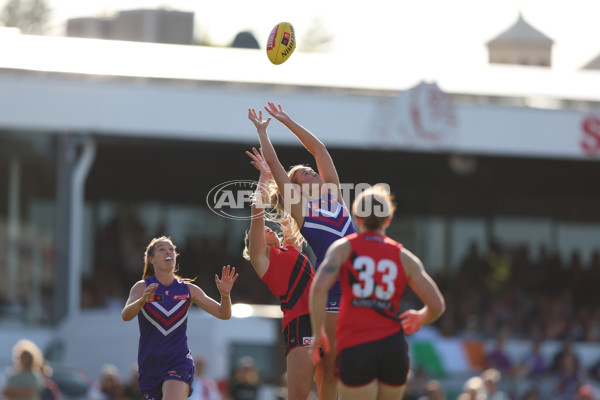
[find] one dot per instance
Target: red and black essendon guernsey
(289, 277)
(372, 279)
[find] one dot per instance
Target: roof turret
(521, 31)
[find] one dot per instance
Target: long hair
(149, 268)
(283, 220)
(275, 197)
(28, 347)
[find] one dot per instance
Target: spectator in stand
(282, 389)
(132, 389)
(433, 391)
(24, 381)
(50, 391)
(491, 382)
(578, 280)
(594, 274)
(498, 358)
(594, 371)
(531, 394)
(474, 269)
(586, 392)
(472, 389)
(471, 330)
(110, 386)
(415, 383)
(534, 365)
(567, 348)
(246, 382)
(500, 263)
(204, 388)
(569, 376)
(554, 274)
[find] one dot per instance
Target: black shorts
(297, 333)
(385, 360)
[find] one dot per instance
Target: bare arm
(325, 277)
(257, 246)
(138, 297)
(294, 205)
(317, 148)
(426, 290)
(19, 392)
(225, 284)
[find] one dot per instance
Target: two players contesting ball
(373, 271)
(371, 268)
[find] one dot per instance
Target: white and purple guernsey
(163, 349)
(326, 221)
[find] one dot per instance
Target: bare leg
(300, 373)
(365, 392)
(175, 390)
(327, 384)
(387, 392)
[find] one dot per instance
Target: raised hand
(228, 278)
(259, 161)
(276, 111)
(260, 124)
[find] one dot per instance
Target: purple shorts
(183, 374)
(333, 302)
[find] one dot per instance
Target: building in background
(521, 44)
(97, 156)
(144, 25)
(593, 64)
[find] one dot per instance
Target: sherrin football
(281, 43)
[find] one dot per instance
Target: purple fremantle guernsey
(163, 346)
(325, 222)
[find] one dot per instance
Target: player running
(372, 360)
(161, 301)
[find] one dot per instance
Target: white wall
(219, 113)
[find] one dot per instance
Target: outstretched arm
(225, 284)
(257, 245)
(426, 290)
(319, 151)
(291, 193)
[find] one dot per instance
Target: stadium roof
(521, 31)
(593, 64)
(389, 72)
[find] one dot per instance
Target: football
(281, 43)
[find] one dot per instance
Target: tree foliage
(316, 38)
(30, 16)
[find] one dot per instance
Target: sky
(431, 30)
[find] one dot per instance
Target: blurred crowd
(499, 293)
(530, 378)
(524, 296)
(526, 293)
(31, 377)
